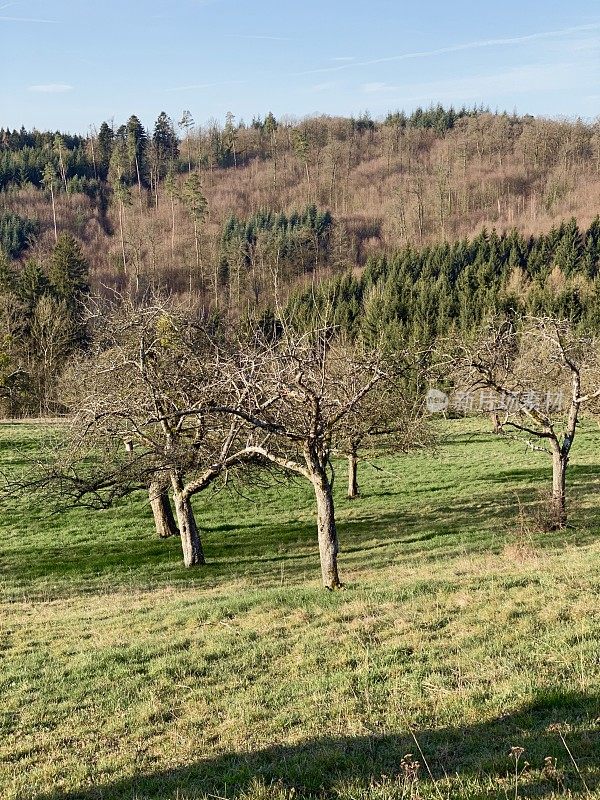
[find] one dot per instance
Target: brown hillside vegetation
(386, 184)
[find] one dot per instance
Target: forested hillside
(419, 223)
(184, 206)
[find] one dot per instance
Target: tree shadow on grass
(437, 531)
(251, 547)
(575, 473)
(348, 766)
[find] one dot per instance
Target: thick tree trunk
(162, 511)
(559, 471)
(191, 545)
(352, 475)
(328, 539)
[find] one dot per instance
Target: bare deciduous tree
(304, 397)
(391, 421)
(141, 417)
(163, 397)
(539, 376)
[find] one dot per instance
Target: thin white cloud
(343, 58)
(257, 36)
(50, 88)
(585, 45)
(323, 87)
(377, 86)
(522, 79)
(25, 19)
(195, 86)
(456, 48)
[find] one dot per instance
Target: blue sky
(71, 64)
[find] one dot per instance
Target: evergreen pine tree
(165, 144)
(68, 272)
(106, 138)
(32, 283)
(136, 142)
(8, 277)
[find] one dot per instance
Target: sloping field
(463, 634)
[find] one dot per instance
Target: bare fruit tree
(141, 417)
(303, 396)
(392, 419)
(538, 376)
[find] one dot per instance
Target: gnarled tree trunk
(162, 511)
(327, 532)
(191, 545)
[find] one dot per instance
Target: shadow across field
(253, 550)
(349, 766)
(576, 474)
(439, 530)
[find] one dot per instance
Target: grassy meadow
(463, 633)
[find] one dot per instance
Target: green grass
(461, 632)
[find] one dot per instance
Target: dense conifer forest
(420, 294)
